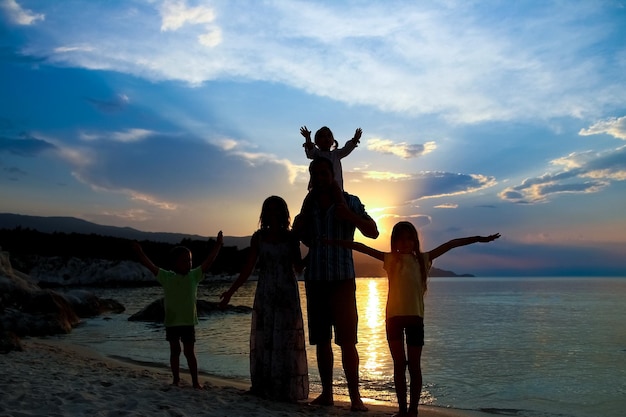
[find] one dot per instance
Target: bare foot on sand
(323, 399)
(358, 406)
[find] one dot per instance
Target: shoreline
(54, 377)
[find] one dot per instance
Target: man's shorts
(332, 304)
(413, 326)
(186, 334)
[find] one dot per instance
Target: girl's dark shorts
(186, 334)
(413, 326)
(332, 304)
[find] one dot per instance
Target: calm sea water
(548, 347)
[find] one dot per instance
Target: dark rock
(155, 311)
(87, 304)
(28, 310)
(9, 342)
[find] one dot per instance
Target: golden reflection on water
(373, 350)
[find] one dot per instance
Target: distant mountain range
(364, 265)
(74, 225)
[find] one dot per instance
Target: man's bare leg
(325, 366)
(350, 359)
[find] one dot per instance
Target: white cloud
(128, 135)
(18, 15)
(176, 13)
(613, 126)
(212, 38)
(401, 149)
(65, 49)
(412, 59)
(151, 200)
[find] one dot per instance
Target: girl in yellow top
(407, 270)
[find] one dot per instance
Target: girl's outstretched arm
(455, 243)
(213, 254)
(359, 247)
(245, 273)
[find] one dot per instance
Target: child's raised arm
(307, 135)
(144, 260)
(350, 145)
(357, 135)
(357, 246)
(213, 254)
(455, 243)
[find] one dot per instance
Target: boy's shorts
(332, 304)
(413, 326)
(186, 334)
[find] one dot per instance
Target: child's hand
(306, 133)
(357, 135)
(225, 299)
(489, 238)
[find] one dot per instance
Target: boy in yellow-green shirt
(180, 287)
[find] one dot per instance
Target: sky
(182, 116)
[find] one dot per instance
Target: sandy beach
(54, 378)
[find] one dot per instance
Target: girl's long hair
(416, 251)
(281, 204)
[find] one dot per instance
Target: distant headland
(70, 236)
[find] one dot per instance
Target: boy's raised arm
(144, 260)
(213, 254)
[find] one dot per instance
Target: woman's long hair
(283, 214)
(416, 251)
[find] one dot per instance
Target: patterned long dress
(278, 363)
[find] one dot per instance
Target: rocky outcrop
(29, 310)
(59, 271)
(155, 311)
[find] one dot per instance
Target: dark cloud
(584, 173)
(109, 106)
(9, 54)
(27, 146)
(14, 173)
(173, 168)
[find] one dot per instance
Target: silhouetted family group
(326, 224)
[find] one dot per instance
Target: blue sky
(183, 116)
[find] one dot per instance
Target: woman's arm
(246, 271)
(455, 243)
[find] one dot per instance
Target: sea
(528, 347)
